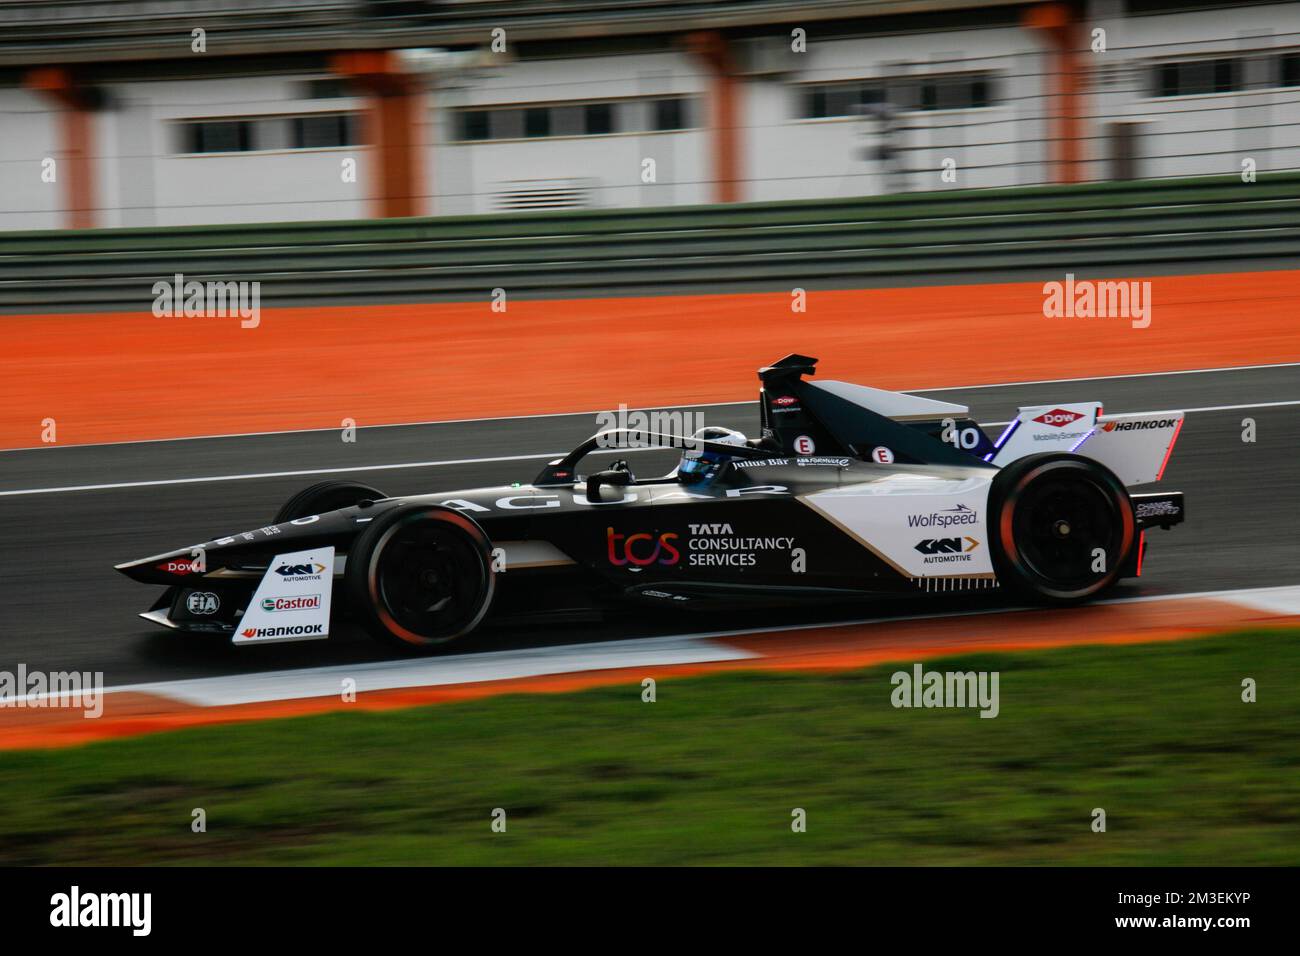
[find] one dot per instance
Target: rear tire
(1048, 516)
(325, 496)
(420, 576)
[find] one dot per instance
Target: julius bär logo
(637, 548)
(1059, 418)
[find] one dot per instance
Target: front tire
(1062, 528)
(325, 496)
(420, 576)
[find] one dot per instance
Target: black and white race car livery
(849, 492)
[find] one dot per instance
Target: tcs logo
(636, 549)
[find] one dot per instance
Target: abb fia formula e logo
(1059, 417)
(642, 549)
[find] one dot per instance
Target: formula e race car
(849, 492)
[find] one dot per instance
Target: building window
(537, 121)
(474, 124)
(600, 118)
(263, 133)
(1197, 77)
(328, 89)
(670, 113)
(323, 130)
(218, 136)
(966, 91)
(1289, 69)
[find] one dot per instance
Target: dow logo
(1059, 418)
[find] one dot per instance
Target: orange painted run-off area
(821, 649)
(128, 376)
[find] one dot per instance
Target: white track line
(439, 671)
(700, 647)
(504, 418)
(465, 461)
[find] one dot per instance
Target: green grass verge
(1156, 734)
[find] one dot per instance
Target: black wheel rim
(1059, 524)
(430, 579)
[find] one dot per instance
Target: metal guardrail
(673, 249)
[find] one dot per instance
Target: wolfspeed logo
(1133, 426)
(1058, 418)
(942, 550)
(308, 602)
(946, 518)
(297, 631)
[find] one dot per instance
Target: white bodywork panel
(896, 405)
(1041, 428)
(1135, 447)
(292, 602)
(922, 525)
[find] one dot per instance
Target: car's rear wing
(1137, 447)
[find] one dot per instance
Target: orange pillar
(724, 111)
(76, 154)
(1062, 29)
(392, 129)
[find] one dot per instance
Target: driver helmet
(699, 467)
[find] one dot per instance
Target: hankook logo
(283, 631)
(1133, 426)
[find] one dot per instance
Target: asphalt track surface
(63, 607)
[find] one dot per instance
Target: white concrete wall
(29, 133)
(791, 157)
(1211, 133)
(469, 176)
(142, 181)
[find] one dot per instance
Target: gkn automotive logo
(301, 572)
(1059, 418)
(945, 518)
(946, 550)
(300, 630)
